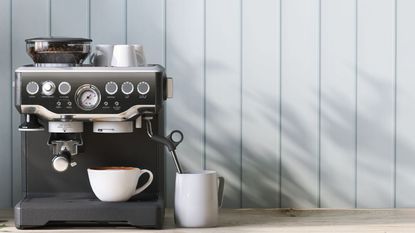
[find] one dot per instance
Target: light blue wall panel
(300, 103)
(108, 21)
(328, 65)
(223, 95)
(405, 103)
(260, 103)
(5, 104)
(375, 103)
(185, 62)
(70, 18)
(36, 23)
(145, 25)
(338, 103)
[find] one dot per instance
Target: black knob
(31, 123)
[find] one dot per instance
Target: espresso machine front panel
(88, 93)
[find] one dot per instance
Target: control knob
(64, 88)
(127, 88)
(143, 88)
(48, 88)
(111, 88)
(32, 88)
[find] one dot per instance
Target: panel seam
(241, 105)
(280, 110)
(356, 102)
(89, 19)
(319, 109)
(395, 103)
(126, 21)
(11, 106)
(50, 18)
(204, 85)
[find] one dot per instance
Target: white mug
(116, 184)
(139, 50)
(102, 55)
(197, 199)
(124, 56)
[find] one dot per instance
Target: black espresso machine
(80, 116)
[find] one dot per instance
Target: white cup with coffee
(117, 184)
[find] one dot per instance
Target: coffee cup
(102, 55)
(127, 56)
(139, 50)
(117, 184)
(197, 198)
(118, 55)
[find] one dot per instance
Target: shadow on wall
(300, 160)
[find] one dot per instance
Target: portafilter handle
(62, 161)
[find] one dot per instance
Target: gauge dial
(87, 97)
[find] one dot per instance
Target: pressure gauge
(87, 97)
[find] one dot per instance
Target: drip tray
(145, 210)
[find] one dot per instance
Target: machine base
(144, 211)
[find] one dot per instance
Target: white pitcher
(197, 199)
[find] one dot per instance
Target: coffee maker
(78, 116)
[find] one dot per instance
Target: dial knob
(127, 88)
(111, 88)
(32, 88)
(48, 88)
(143, 88)
(64, 88)
(87, 97)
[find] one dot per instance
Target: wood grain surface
(273, 220)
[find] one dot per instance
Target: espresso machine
(79, 116)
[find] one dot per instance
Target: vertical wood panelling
(300, 102)
(185, 62)
(294, 110)
(338, 85)
(70, 18)
(223, 94)
(108, 21)
(5, 104)
(260, 103)
(34, 24)
(145, 25)
(405, 113)
(375, 103)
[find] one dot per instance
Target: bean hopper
(76, 116)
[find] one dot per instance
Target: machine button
(32, 88)
(127, 88)
(64, 88)
(106, 103)
(69, 103)
(116, 103)
(48, 88)
(143, 88)
(111, 88)
(58, 103)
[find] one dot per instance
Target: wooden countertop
(273, 220)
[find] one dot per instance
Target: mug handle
(150, 179)
(92, 58)
(220, 190)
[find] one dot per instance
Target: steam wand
(168, 141)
